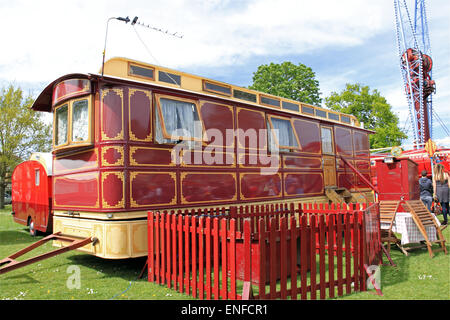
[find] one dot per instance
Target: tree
(289, 81)
(22, 131)
(370, 108)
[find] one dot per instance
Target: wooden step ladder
(388, 211)
(423, 218)
(338, 195)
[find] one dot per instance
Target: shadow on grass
(21, 279)
(391, 275)
(127, 269)
(12, 237)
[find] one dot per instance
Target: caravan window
(178, 119)
(80, 120)
(61, 125)
(283, 133)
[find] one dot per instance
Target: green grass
(47, 279)
(416, 276)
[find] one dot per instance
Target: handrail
(364, 179)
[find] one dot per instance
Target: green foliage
(372, 109)
(289, 81)
(22, 131)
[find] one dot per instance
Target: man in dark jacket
(426, 190)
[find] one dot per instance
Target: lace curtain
(80, 124)
(61, 125)
(285, 134)
(180, 120)
(327, 143)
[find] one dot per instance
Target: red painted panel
(303, 183)
(346, 180)
(112, 156)
(302, 163)
(80, 190)
(140, 114)
(209, 157)
(255, 185)
(217, 119)
(206, 187)
(362, 165)
(70, 88)
(262, 159)
(150, 156)
(343, 139)
(112, 190)
(151, 188)
(359, 183)
(309, 134)
(361, 144)
(342, 166)
(79, 161)
(251, 122)
(397, 180)
(112, 109)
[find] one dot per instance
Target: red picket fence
(276, 251)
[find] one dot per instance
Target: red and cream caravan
(143, 137)
(31, 183)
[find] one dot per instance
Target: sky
(346, 41)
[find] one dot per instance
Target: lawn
(416, 276)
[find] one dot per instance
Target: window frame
(166, 135)
(275, 138)
(333, 146)
(70, 143)
(37, 177)
(129, 73)
(55, 127)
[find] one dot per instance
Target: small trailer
(32, 193)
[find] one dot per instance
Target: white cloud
(50, 37)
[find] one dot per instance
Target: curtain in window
(285, 134)
(61, 125)
(80, 124)
(180, 118)
(327, 144)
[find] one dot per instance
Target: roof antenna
(174, 34)
(126, 20)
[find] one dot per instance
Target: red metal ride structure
(418, 88)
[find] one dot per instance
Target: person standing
(441, 184)
(426, 190)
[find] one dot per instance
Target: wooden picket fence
(264, 252)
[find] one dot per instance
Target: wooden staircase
(388, 211)
(338, 195)
(423, 218)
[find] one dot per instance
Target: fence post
(194, 255)
(293, 235)
(283, 258)
(313, 243)
(201, 251)
(303, 258)
(322, 255)
(247, 292)
(330, 228)
(262, 258)
(151, 251)
(232, 261)
(216, 257)
(223, 231)
(187, 255)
